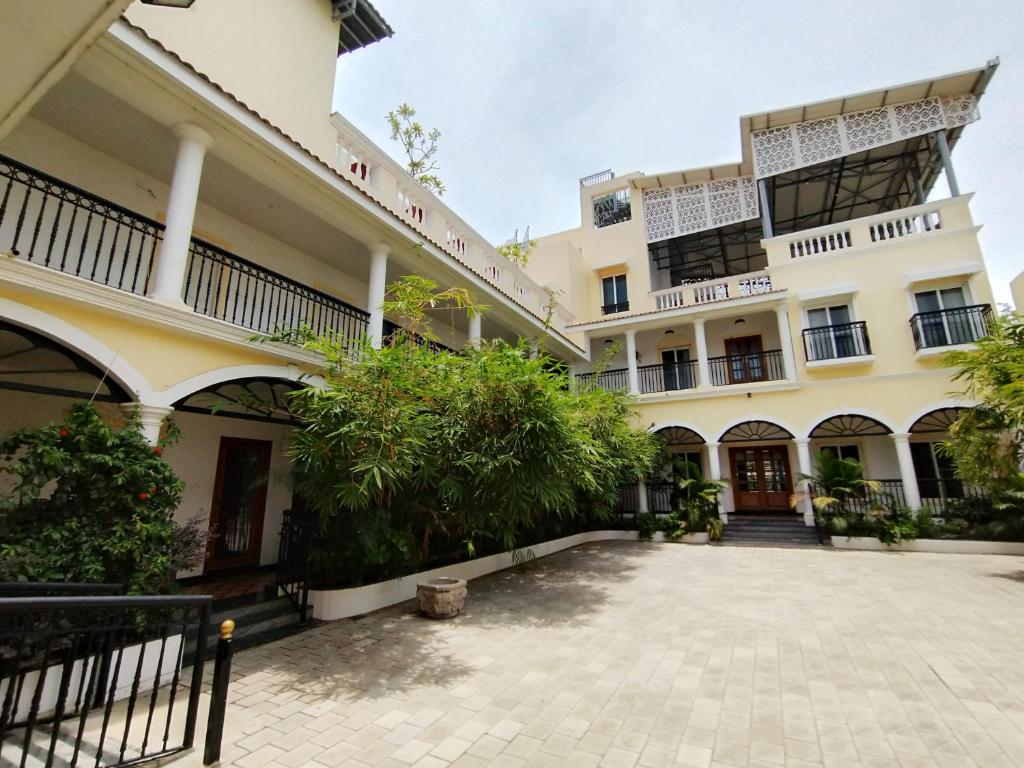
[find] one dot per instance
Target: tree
(518, 251)
(412, 457)
(987, 442)
(92, 503)
(419, 145)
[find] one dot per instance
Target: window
(945, 317)
(612, 208)
(676, 369)
(615, 297)
(847, 451)
(935, 472)
(832, 334)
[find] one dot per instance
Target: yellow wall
(278, 57)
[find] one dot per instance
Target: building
(180, 185)
(1017, 291)
(799, 299)
(174, 182)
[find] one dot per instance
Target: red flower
(143, 496)
(157, 450)
(153, 489)
(63, 432)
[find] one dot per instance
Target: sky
(532, 95)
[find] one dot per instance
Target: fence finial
(227, 629)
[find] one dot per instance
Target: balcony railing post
(181, 208)
(219, 694)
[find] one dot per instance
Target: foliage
(517, 252)
(647, 524)
(987, 442)
(694, 502)
(840, 492)
(419, 145)
(412, 296)
(411, 456)
(92, 503)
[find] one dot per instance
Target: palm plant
(835, 483)
(694, 501)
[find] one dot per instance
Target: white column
(803, 455)
(634, 377)
(181, 210)
(641, 497)
(715, 473)
(947, 163)
(475, 323)
(907, 474)
(151, 418)
(703, 369)
(786, 342)
(375, 295)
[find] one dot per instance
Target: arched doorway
(233, 443)
(935, 471)
(687, 448)
(759, 462)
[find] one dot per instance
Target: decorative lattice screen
(674, 211)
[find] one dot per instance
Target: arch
(123, 373)
(204, 381)
(677, 435)
(849, 425)
(251, 399)
(754, 430)
(937, 421)
(920, 413)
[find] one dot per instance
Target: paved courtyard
(625, 654)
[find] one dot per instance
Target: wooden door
(239, 503)
(761, 478)
(745, 359)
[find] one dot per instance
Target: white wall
(194, 458)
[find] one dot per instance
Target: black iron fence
(882, 495)
(667, 377)
(836, 341)
(99, 679)
(614, 379)
(945, 495)
(747, 367)
(46, 221)
(227, 287)
(946, 327)
(292, 575)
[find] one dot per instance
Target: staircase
(769, 531)
(258, 619)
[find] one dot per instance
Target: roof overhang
(361, 24)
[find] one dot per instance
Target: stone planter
(695, 538)
(441, 598)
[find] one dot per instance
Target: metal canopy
(676, 437)
(254, 399)
(361, 25)
(937, 421)
(30, 362)
(752, 431)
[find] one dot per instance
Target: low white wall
(341, 603)
(939, 546)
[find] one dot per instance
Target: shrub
(91, 503)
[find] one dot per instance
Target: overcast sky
(530, 95)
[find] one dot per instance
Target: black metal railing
(746, 368)
(46, 221)
(227, 287)
(667, 377)
(941, 495)
(832, 342)
(659, 497)
(391, 330)
(885, 495)
(611, 309)
(99, 679)
(613, 379)
(946, 327)
(57, 589)
(293, 549)
(597, 178)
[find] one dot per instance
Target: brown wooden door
(761, 478)
(239, 503)
(745, 359)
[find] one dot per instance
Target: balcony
(666, 377)
(836, 342)
(901, 225)
(950, 327)
(707, 291)
(48, 222)
(611, 309)
(747, 368)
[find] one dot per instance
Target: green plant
(694, 501)
(517, 251)
(92, 503)
(896, 525)
(647, 524)
(419, 145)
(411, 456)
(715, 528)
(838, 489)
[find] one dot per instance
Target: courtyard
(626, 654)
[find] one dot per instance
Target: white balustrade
(705, 292)
(905, 225)
(753, 286)
(812, 245)
(712, 290)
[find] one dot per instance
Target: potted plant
(842, 499)
(694, 518)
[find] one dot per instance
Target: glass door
(745, 359)
(835, 336)
(676, 369)
(239, 503)
(940, 327)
